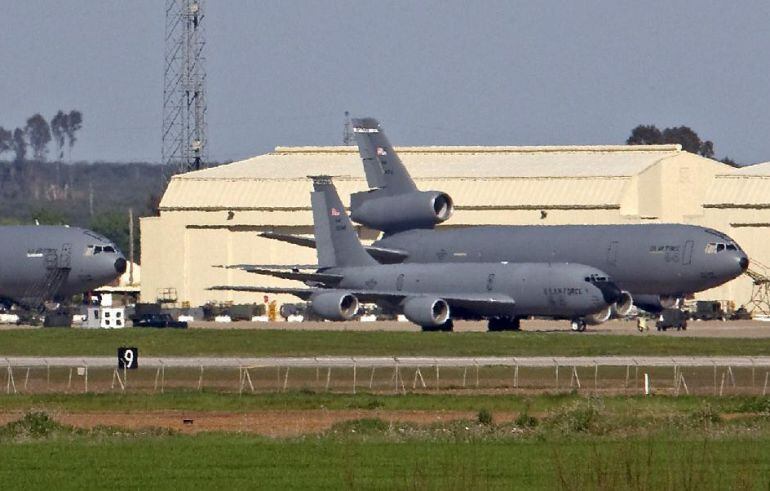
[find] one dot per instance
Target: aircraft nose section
(743, 262)
(610, 292)
(120, 265)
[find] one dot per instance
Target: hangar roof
(746, 187)
(546, 161)
(519, 177)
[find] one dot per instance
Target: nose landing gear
(578, 325)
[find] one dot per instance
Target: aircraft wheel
(497, 324)
(578, 325)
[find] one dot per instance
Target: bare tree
(39, 134)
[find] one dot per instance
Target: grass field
(202, 342)
(577, 444)
(217, 401)
(226, 462)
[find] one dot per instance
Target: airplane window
(711, 248)
(731, 247)
(720, 247)
(97, 249)
(109, 249)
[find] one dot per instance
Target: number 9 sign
(128, 358)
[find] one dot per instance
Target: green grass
(225, 462)
(202, 342)
(579, 443)
(217, 401)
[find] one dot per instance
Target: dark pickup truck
(159, 320)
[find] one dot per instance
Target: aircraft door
(491, 282)
(612, 253)
(65, 256)
(400, 282)
(687, 257)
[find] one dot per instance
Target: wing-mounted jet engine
(394, 204)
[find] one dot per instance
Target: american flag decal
(335, 212)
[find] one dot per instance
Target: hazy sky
(444, 72)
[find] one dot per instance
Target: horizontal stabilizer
(291, 239)
(325, 278)
(381, 254)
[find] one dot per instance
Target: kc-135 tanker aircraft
(40, 263)
(432, 295)
(655, 265)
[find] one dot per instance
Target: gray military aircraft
(654, 264)
(41, 263)
(433, 295)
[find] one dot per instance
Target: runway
(394, 361)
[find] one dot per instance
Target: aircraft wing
(303, 293)
(381, 254)
(468, 301)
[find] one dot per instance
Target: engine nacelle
(334, 305)
(599, 317)
(669, 301)
(622, 307)
(419, 209)
(426, 311)
(656, 303)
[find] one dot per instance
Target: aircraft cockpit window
(109, 249)
(595, 279)
(717, 247)
(94, 249)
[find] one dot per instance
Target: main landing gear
(497, 324)
(578, 325)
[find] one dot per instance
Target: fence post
(516, 376)
(354, 378)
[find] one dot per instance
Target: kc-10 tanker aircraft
(40, 263)
(655, 265)
(433, 295)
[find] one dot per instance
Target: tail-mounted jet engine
(426, 311)
(393, 213)
(334, 305)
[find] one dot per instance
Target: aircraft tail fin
(337, 243)
(382, 165)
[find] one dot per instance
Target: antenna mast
(184, 88)
(347, 132)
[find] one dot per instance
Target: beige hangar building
(213, 216)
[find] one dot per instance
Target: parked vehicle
(159, 320)
(672, 318)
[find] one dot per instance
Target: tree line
(38, 133)
(649, 134)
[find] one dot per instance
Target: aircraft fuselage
(660, 259)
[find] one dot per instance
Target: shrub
(485, 417)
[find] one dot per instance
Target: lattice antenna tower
(184, 87)
(347, 131)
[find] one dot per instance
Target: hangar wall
(212, 217)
